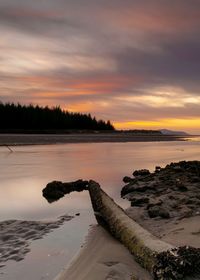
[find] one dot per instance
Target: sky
(134, 62)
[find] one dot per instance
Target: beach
(99, 247)
(103, 257)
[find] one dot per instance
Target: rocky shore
(166, 202)
(172, 192)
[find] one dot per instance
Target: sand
(185, 232)
(16, 235)
(176, 232)
(102, 257)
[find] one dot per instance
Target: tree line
(30, 117)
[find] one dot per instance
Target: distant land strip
(40, 139)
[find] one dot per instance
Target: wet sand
(16, 236)
(33, 139)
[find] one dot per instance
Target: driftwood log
(162, 260)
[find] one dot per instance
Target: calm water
(26, 171)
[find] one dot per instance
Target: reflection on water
(192, 138)
(25, 171)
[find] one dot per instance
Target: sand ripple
(16, 235)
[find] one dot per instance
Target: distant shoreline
(45, 139)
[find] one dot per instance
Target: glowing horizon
(173, 124)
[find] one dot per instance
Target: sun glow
(186, 124)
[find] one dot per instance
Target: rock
(186, 212)
(136, 188)
(140, 201)
(56, 189)
(180, 185)
(153, 211)
(194, 201)
(170, 182)
(174, 205)
(195, 179)
(157, 211)
(141, 172)
(163, 213)
(127, 179)
(182, 188)
(172, 197)
(157, 169)
(171, 188)
(129, 188)
(178, 168)
(163, 178)
(154, 202)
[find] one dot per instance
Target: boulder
(157, 211)
(141, 172)
(153, 212)
(163, 213)
(56, 189)
(154, 202)
(139, 201)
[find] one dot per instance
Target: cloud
(121, 60)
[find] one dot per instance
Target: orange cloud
(49, 86)
(106, 83)
(80, 107)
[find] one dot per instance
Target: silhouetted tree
(17, 116)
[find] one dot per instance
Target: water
(25, 171)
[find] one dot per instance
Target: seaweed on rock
(178, 263)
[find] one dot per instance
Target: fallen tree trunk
(164, 261)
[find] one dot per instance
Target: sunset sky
(135, 62)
